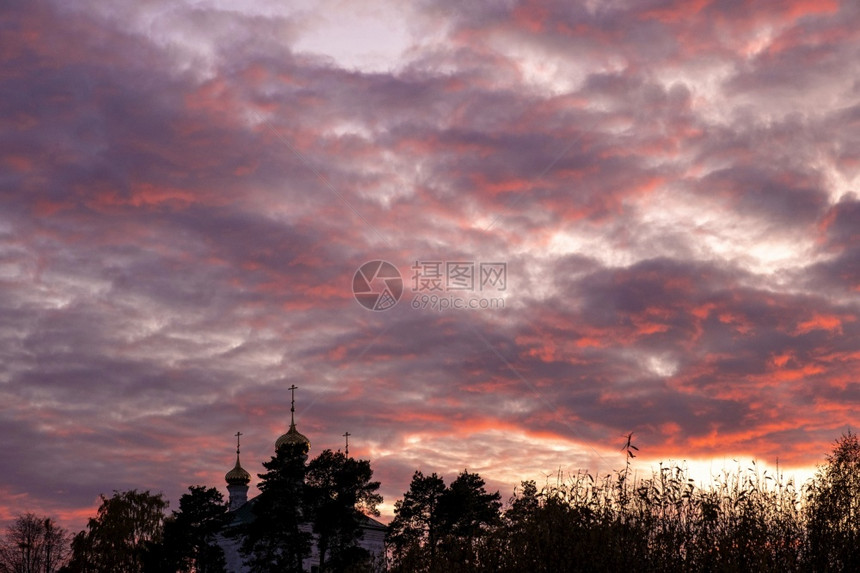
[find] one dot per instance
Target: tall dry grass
(747, 519)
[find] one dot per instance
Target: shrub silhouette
(833, 510)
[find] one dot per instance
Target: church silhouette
(241, 510)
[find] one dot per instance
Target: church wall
(373, 540)
(232, 557)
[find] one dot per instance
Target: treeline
(322, 500)
(747, 520)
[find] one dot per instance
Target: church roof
(245, 515)
(370, 523)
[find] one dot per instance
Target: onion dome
(238, 475)
(293, 437)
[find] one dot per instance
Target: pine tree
(467, 516)
(338, 490)
(189, 535)
(275, 541)
(438, 528)
(413, 535)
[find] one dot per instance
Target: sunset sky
(188, 188)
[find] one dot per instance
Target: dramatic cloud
(186, 191)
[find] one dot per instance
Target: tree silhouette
(275, 541)
(338, 489)
(189, 534)
(33, 544)
(413, 535)
(438, 528)
(468, 513)
(126, 530)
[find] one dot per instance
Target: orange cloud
(820, 322)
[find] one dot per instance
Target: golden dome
(237, 476)
(293, 437)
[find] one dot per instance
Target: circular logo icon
(377, 285)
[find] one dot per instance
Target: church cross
(292, 390)
(347, 435)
